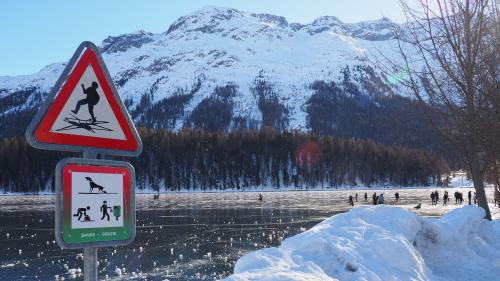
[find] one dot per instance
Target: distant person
(356, 197)
(260, 197)
(433, 198)
(469, 196)
(436, 197)
(351, 202)
(456, 197)
(475, 198)
(397, 197)
(366, 197)
(374, 198)
(460, 198)
(445, 198)
(381, 199)
(91, 100)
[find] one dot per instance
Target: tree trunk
(477, 178)
(497, 183)
(497, 193)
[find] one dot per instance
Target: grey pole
(90, 264)
(90, 253)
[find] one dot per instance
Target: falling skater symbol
(91, 124)
(91, 100)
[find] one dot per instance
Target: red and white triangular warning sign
(84, 112)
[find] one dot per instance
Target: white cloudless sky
(36, 33)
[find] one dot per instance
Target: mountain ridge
(222, 69)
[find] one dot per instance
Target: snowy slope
(218, 46)
(383, 243)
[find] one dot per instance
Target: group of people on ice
(459, 197)
(376, 199)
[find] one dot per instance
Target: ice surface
(222, 227)
(383, 243)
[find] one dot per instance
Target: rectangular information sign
(95, 203)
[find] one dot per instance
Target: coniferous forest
(202, 160)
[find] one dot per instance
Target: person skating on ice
(91, 100)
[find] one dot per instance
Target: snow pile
(460, 180)
(383, 243)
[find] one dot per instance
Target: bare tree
(451, 66)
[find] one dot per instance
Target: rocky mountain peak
(121, 43)
(205, 20)
(256, 68)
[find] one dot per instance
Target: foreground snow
(383, 243)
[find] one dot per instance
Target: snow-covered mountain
(223, 69)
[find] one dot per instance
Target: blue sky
(36, 33)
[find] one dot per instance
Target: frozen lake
(182, 236)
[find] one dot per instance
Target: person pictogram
(91, 100)
(82, 212)
(104, 210)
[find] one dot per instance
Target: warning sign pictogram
(84, 111)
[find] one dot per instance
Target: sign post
(95, 204)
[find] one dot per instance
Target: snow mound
(460, 181)
(383, 243)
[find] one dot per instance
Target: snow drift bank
(383, 243)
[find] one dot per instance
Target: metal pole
(90, 264)
(90, 254)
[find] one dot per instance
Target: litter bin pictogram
(116, 212)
